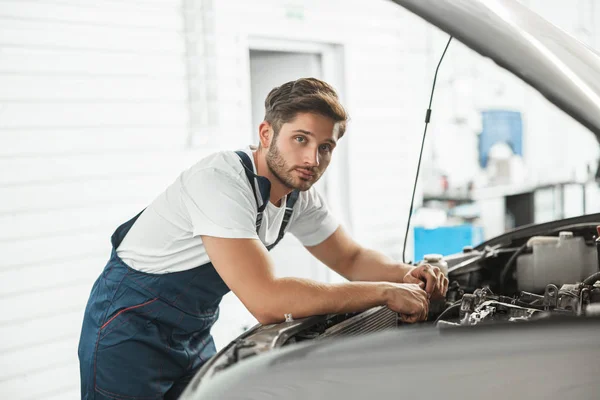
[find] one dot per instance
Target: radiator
(373, 320)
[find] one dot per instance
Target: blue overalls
(145, 335)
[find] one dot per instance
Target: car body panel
(541, 359)
(538, 229)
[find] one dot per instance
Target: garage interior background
(103, 103)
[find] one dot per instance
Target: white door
(269, 69)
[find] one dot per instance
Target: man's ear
(265, 134)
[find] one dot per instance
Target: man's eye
(326, 147)
(300, 139)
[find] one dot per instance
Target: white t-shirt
(214, 198)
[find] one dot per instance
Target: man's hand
(429, 278)
(408, 300)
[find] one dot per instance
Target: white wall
(94, 118)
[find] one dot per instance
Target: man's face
(299, 155)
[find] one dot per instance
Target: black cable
(427, 119)
(448, 310)
(509, 264)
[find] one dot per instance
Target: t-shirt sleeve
(219, 205)
(313, 222)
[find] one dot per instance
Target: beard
(279, 167)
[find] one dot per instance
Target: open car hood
(560, 67)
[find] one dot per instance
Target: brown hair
(304, 95)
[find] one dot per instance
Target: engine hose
(590, 280)
(512, 260)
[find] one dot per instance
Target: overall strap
(120, 233)
(289, 208)
(264, 183)
(249, 169)
(264, 186)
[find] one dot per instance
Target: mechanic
(146, 328)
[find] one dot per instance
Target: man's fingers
(444, 282)
(444, 285)
(424, 312)
(409, 319)
(428, 274)
(415, 280)
(412, 318)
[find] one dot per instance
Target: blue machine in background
(500, 126)
(445, 240)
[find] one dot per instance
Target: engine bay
(534, 277)
(484, 306)
(541, 272)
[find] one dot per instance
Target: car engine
(538, 277)
(484, 306)
(547, 271)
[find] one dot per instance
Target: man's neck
(278, 190)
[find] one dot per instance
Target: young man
(146, 329)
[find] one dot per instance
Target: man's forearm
(302, 298)
(371, 265)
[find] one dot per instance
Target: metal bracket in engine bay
(484, 306)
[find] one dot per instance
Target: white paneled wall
(93, 121)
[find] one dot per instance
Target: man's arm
(246, 267)
(356, 263)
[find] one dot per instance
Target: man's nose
(311, 157)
